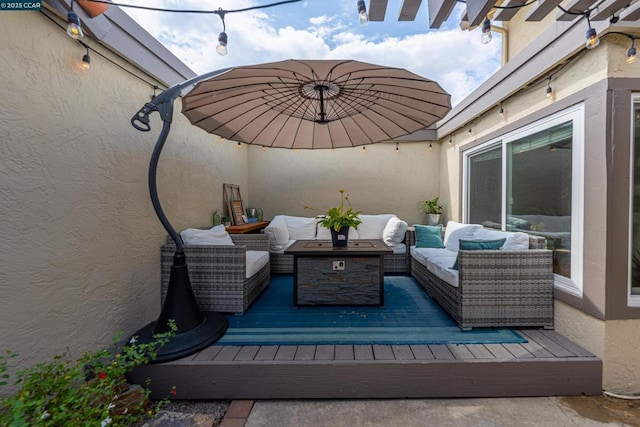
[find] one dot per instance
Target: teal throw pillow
(477, 245)
(429, 236)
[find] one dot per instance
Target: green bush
(84, 392)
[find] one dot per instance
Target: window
(531, 181)
(634, 291)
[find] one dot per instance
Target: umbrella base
(183, 344)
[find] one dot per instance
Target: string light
(592, 36)
(238, 145)
(501, 110)
(430, 146)
(74, 28)
(486, 32)
(363, 18)
(450, 140)
(86, 60)
(222, 37)
(549, 88)
(364, 150)
(397, 148)
(631, 53)
(264, 148)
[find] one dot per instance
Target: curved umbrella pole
(195, 329)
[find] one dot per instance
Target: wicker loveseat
(218, 273)
(283, 230)
(509, 287)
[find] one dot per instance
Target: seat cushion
(214, 236)
(255, 261)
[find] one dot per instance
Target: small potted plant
(338, 220)
(433, 209)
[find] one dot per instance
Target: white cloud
(456, 59)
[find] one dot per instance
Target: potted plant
(338, 220)
(433, 209)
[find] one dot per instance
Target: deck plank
(440, 351)
(518, 351)
(286, 352)
(402, 352)
(363, 352)
(382, 352)
(569, 345)
(227, 353)
(422, 352)
(460, 351)
(305, 352)
(267, 352)
(536, 349)
(247, 352)
(549, 344)
(344, 352)
(325, 352)
(479, 351)
(499, 352)
(209, 353)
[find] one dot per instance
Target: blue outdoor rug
(410, 316)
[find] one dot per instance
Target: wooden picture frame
(237, 212)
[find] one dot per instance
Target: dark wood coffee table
(328, 275)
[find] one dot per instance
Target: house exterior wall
(600, 320)
(379, 180)
(80, 252)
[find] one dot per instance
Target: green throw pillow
(429, 236)
(477, 245)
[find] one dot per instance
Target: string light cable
(90, 49)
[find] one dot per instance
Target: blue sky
(323, 29)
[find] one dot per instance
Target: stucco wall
(81, 243)
(380, 180)
(621, 362)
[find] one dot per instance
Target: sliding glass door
(530, 180)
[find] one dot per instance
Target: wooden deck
(547, 365)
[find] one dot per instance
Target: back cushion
(456, 231)
(278, 233)
(393, 233)
(372, 226)
(301, 228)
(514, 241)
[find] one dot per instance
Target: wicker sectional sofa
(387, 227)
(508, 287)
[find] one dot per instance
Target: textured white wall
(80, 243)
(378, 181)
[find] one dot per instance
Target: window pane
(539, 182)
(485, 188)
(635, 255)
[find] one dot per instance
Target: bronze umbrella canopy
(299, 104)
(312, 104)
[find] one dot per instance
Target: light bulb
(631, 55)
(363, 18)
(86, 61)
(222, 44)
(549, 91)
(486, 32)
(592, 39)
(74, 28)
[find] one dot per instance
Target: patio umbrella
(295, 104)
(312, 104)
